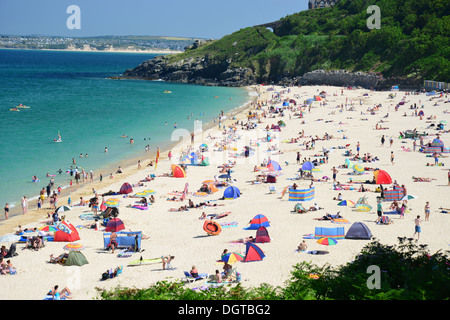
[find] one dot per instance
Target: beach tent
(382, 177)
(281, 123)
(253, 253)
(273, 166)
(114, 225)
(258, 221)
(126, 188)
(66, 232)
(205, 162)
(177, 171)
(231, 192)
(262, 235)
(301, 195)
(76, 258)
(335, 233)
(437, 143)
(308, 166)
(358, 230)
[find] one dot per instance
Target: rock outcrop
(202, 71)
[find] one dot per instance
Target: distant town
(100, 43)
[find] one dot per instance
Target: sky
(180, 18)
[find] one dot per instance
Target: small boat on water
(167, 91)
(22, 106)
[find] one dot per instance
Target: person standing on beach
(448, 174)
(391, 141)
(417, 228)
(382, 140)
(7, 211)
(392, 157)
(335, 171)
(299, 156)
(357, 147)
(427, 211)
(24, 205)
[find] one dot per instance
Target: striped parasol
(113, 202)
(49, 228)
(358, 168)
(232, 257)
(340, 221)
(73, 246)
(347, 203)
(327, 241)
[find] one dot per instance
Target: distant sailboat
(59, 138)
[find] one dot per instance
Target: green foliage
(408, 272)
(413, 40)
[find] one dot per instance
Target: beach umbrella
(308, 166)
(48, 228)
(73, 246)
(382, 177)
(208, 182)
(232, 257)
(358, 168)
(346, 203)
(113, 202)
(340, 221)
(63, 209)
(224, 176)
(408, 197)
(10, 238)
(327, 241)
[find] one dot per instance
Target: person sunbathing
(59, 259)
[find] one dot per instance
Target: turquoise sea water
(70, 92)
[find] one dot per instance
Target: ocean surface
(71, 93)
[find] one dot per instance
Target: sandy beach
(348, 117)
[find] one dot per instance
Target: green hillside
(412, 42)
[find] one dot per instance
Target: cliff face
(201, 71)
(192, 70)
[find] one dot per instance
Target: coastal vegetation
(407, 272)
(412, 42)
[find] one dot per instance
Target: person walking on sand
(392, 157)
(382, 140)
(427, 211)
(24, 205)
(7, 211)
(391, 141)
(417, 228)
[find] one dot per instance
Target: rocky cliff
(203, 71)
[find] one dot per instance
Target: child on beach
(427, 211)
(417, 228)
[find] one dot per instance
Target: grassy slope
(412, 42)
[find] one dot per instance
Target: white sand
(181, 233)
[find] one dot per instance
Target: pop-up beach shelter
(231, 192)
(273, 166)
(259, 220)
(335, 233)
(177, 171)
(126, 188)
(358, 230)
(382, 177)
(76, 258)
(262, 235)
(253, 253)
(114, 225)
(66, 232)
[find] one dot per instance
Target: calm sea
(70, 93)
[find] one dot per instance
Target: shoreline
(105, 51)
(128, 165)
